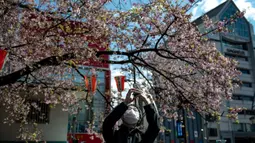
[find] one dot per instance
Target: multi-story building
(238, 44)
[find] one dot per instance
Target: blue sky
(203, 7)
(206, 5)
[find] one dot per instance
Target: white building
(54, 130)
(239, 45)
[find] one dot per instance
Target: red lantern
(120, 81)
(3, 55)
(91, 83)
(86, 81)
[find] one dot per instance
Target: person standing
(129, 131)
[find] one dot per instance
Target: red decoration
(85, 138)
(3, 55)
(91, 83)
(120, 81)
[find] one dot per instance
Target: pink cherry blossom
(47, 41)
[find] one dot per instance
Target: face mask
(131, 116)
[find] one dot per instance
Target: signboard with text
(236, 52)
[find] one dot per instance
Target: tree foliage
(51, 37)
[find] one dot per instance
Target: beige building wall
(56, 130)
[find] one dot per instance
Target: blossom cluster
(157, 36)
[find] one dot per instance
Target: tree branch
(165, 32)
(50, 61)
(130, 53)
(182, 98)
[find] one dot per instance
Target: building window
(242, 97)
(243, 127)
(228, 44)
(246, 84)
(237, 57)
(39, 112)
(236, 97)
(213, 132)
(244, 71)
(240, 27)
(250, 127)
(239, 127)
(247, 98)
(248, 112)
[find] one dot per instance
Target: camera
(136, 94)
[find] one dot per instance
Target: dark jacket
(124, 135)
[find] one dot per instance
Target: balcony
(246, 77)
(243, 64)
(236, 37)
(241, 103)
(244, 91)
(243, 127)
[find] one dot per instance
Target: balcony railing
(243, 127)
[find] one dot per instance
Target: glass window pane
(246, 84)
(238, 127)
(244, 71)
(240, 26)
(248, 127)
(246, 98)
(213, 132)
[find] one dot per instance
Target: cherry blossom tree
(51, 37)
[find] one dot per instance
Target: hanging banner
(90, 83)
(3, 56)
(120, 81)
